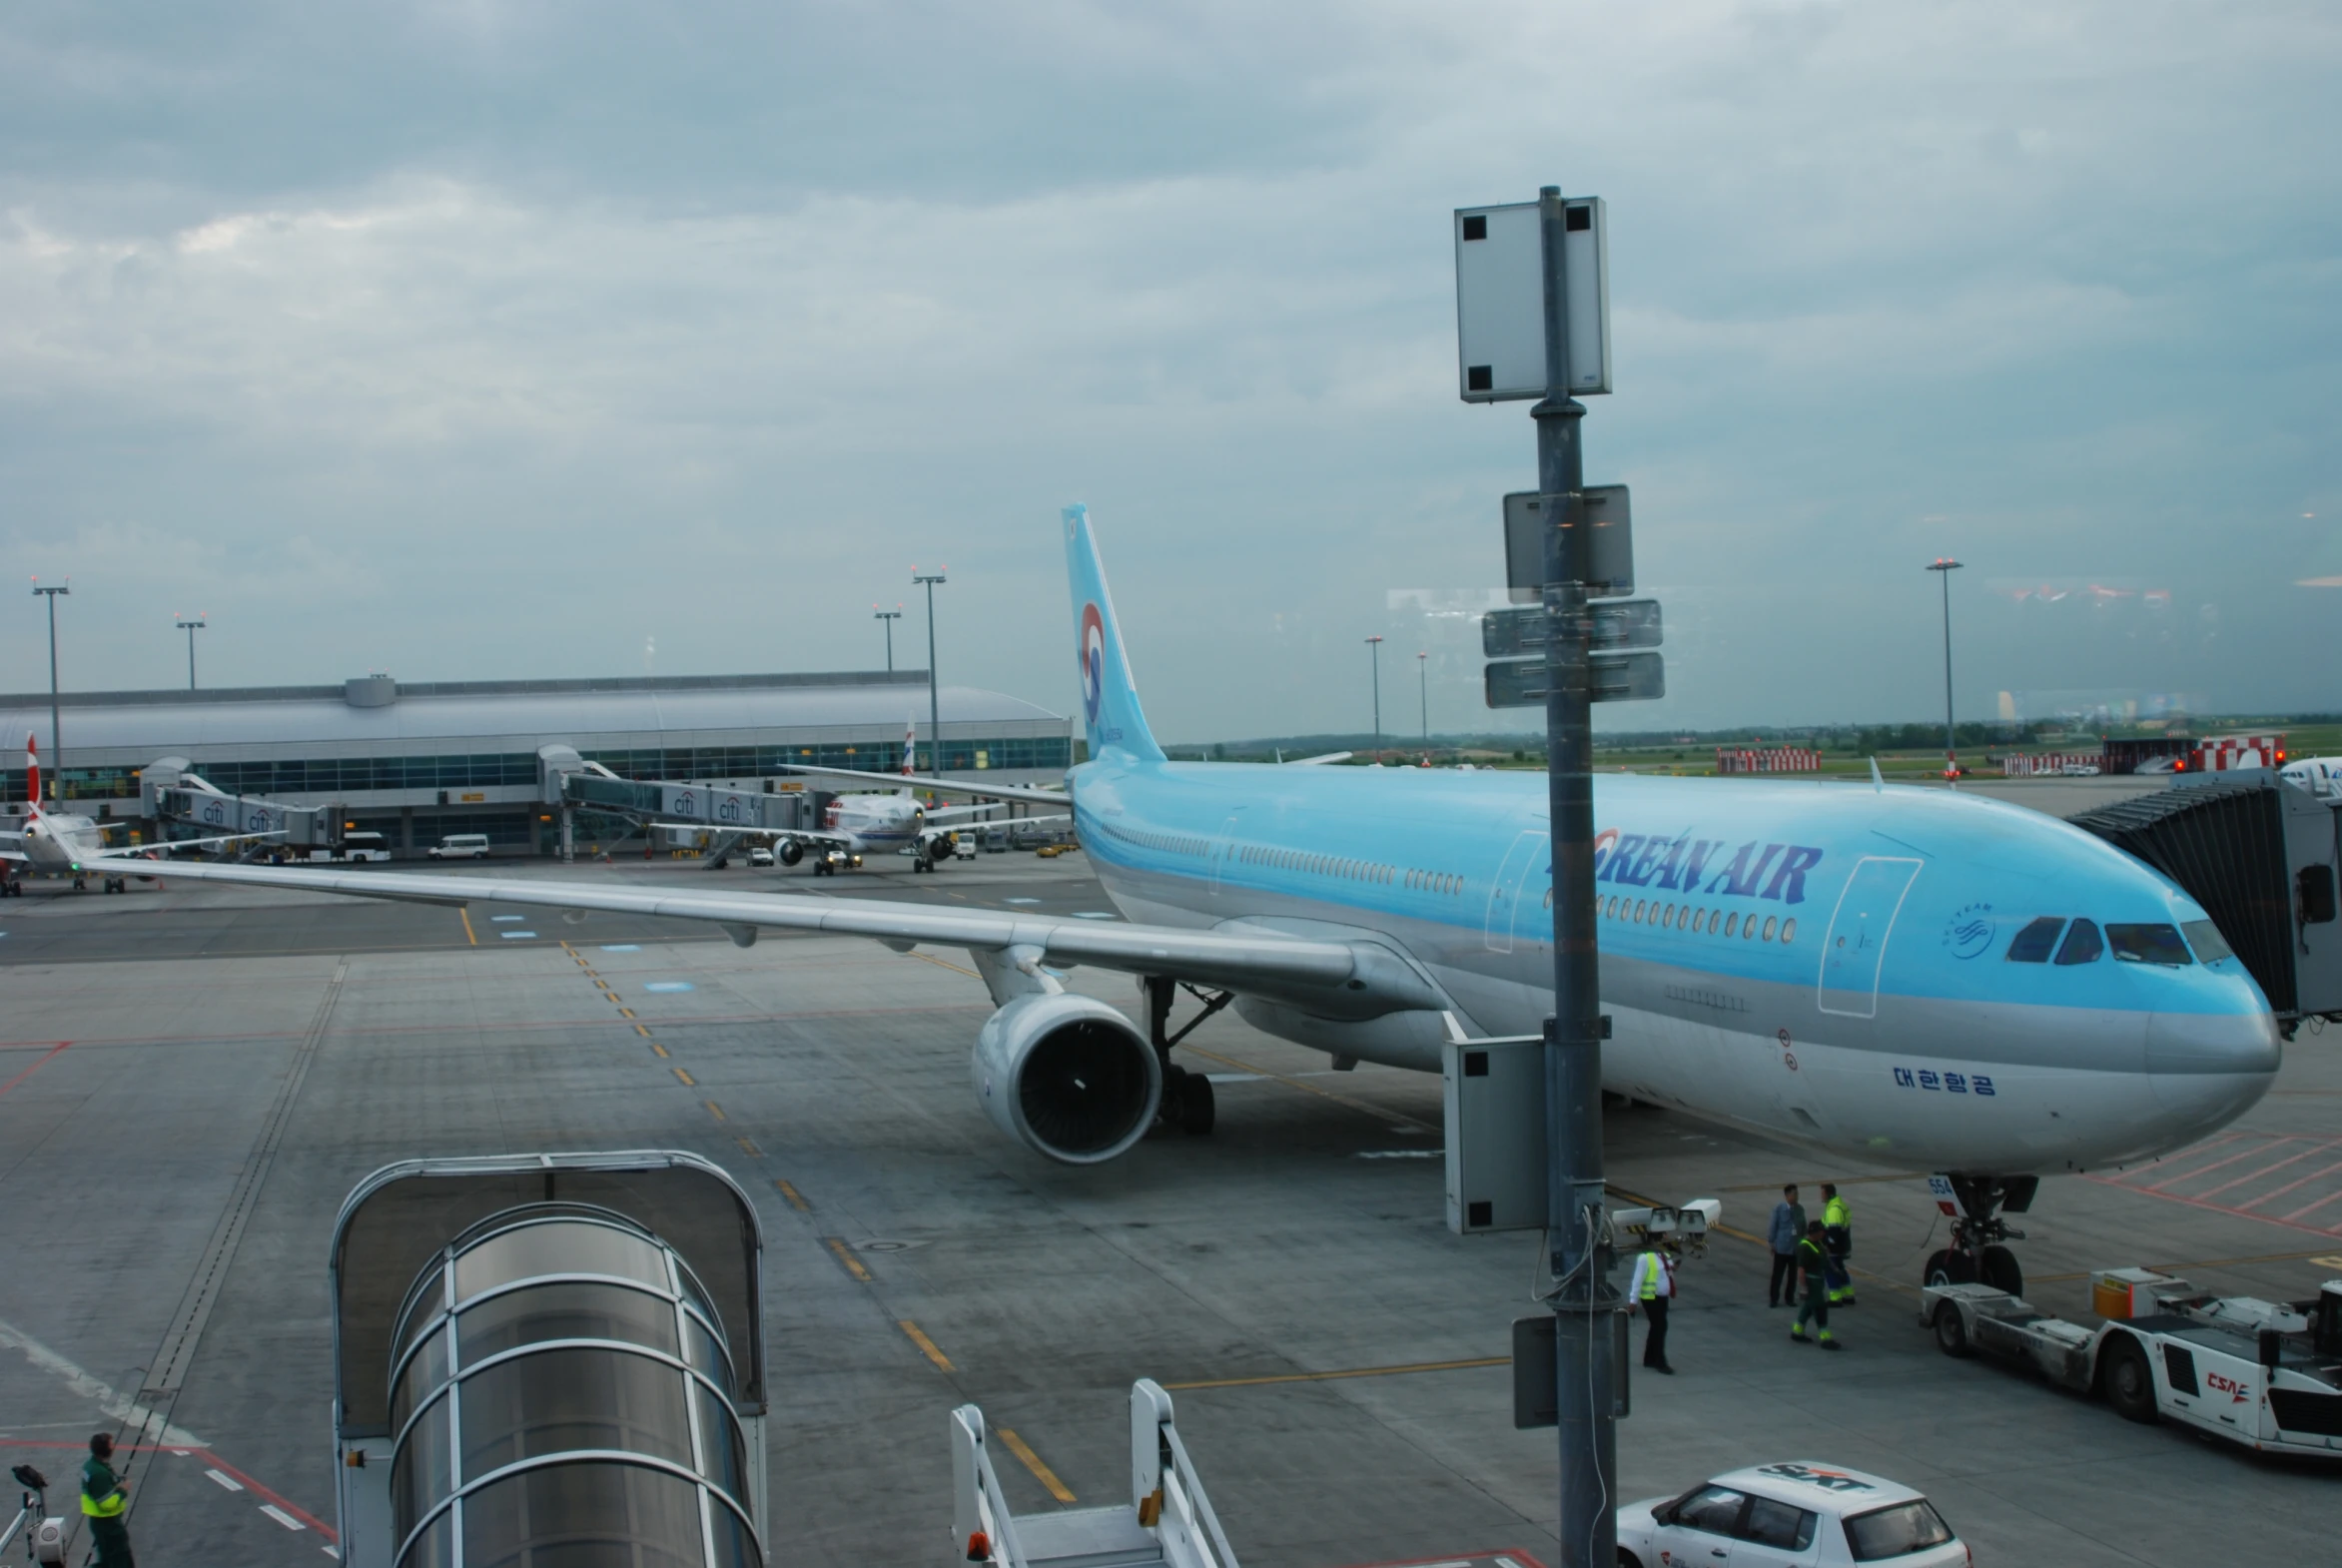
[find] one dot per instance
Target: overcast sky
(477, 340)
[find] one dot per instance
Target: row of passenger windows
(2138, 943)
(1168, 843)
(1695, 921)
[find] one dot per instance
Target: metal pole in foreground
(56, 740)
(1375, 652)
(1944, 566)
(935, 723)
(1583, 1300)
(190, 627)
(1423, 685)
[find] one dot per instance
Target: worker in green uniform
(1813, 1260)
(1838, 1232)
(104, 1495)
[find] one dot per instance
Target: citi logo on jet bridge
(1650, 860)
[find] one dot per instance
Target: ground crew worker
(1653, 1289)
(103, 1497)
(1813, 1260)
(1788, 1229)
(1837, 1235)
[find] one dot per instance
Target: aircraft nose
(2184, 1043)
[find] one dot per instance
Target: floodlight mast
(56, 740)
(890, 617)
(1375, 652)
(1582, 1298)
(1944, 566)
(190, 627)
(935, 723)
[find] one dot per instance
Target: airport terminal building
(416, 761)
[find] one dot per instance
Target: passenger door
(1516, 884)
(1856, 941)
(1698, 1531)
(1776, 1535)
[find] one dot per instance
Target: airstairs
(1167, 1522)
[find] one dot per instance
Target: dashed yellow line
(470, 935)
(714, 1110)
(1355, 1372)
(930, 958)
(1040, 1472)
(926, 1345)
(795, 1197)
(656, 1049)
(625, 1012)
(688, 1080)
(748, 1147)
(644, 1033)
(854, 1267)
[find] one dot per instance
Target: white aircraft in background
(58, 844)
(870, 822)
(2321, 776)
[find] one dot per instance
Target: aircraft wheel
(2129, 1382)
(1999, 1268)
(1197, 1110)
(1952, 1332)
(1949, 1268)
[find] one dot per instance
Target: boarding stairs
(1169, 1522)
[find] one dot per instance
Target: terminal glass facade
(561, 1392)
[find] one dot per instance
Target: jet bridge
(2264, 859)
(171, 791)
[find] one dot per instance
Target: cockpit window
(2034, 942)
(2082, 945)
(2156, 944)
(2210, 947)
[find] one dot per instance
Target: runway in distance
(1904, 976)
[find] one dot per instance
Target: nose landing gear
(1978, 1254)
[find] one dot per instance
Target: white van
(462, 846)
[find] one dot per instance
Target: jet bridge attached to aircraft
(2264, 859)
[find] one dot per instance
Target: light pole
(935, 723)
(56, 742)
(1945, 566)
(890, 617)
(1423, 679)
(190, 627)
(1375, 652)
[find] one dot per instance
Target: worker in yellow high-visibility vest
(1650, 1292)
(104, 1495)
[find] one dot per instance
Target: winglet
(1878, 784)
(1109, 702)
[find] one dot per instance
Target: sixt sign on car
(1749, 870)
(1815, 1475)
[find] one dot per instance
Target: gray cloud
(481, 340)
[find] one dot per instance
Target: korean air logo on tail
(1093, 657)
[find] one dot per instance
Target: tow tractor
(2262, 1374)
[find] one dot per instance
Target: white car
(1797, 1514)
(760, 856)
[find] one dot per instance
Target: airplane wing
(1333, 978)
(808, 835)
(1037, 797)
(202, 843)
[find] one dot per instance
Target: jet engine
(789, 851)
(1068, 1077)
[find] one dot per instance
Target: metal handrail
(1194, 1504)
(991, 1504)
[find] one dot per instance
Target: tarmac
(192, 1078)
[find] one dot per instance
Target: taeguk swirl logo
(1092, 657)
(1969, 931)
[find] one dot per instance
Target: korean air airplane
(1910, 976)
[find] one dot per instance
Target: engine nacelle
(1068, 1077)
(789, 851)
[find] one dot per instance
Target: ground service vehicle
(462, 846)
(760, 857)
(2258, 1373)
(356, 847)
(1795, 1513)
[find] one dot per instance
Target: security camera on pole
(1533, 321)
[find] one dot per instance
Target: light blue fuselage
(1874, 1011)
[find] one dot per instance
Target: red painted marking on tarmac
(1523, 1559)
(281, 1501)
(2217, 1208)
(2258, 1172)
(36, 1066)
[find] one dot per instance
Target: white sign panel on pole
(1500, 300)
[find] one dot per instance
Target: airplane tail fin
(1109, 701)
(32, 773)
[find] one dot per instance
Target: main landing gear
(1186, 1095)
(1976, 1254)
